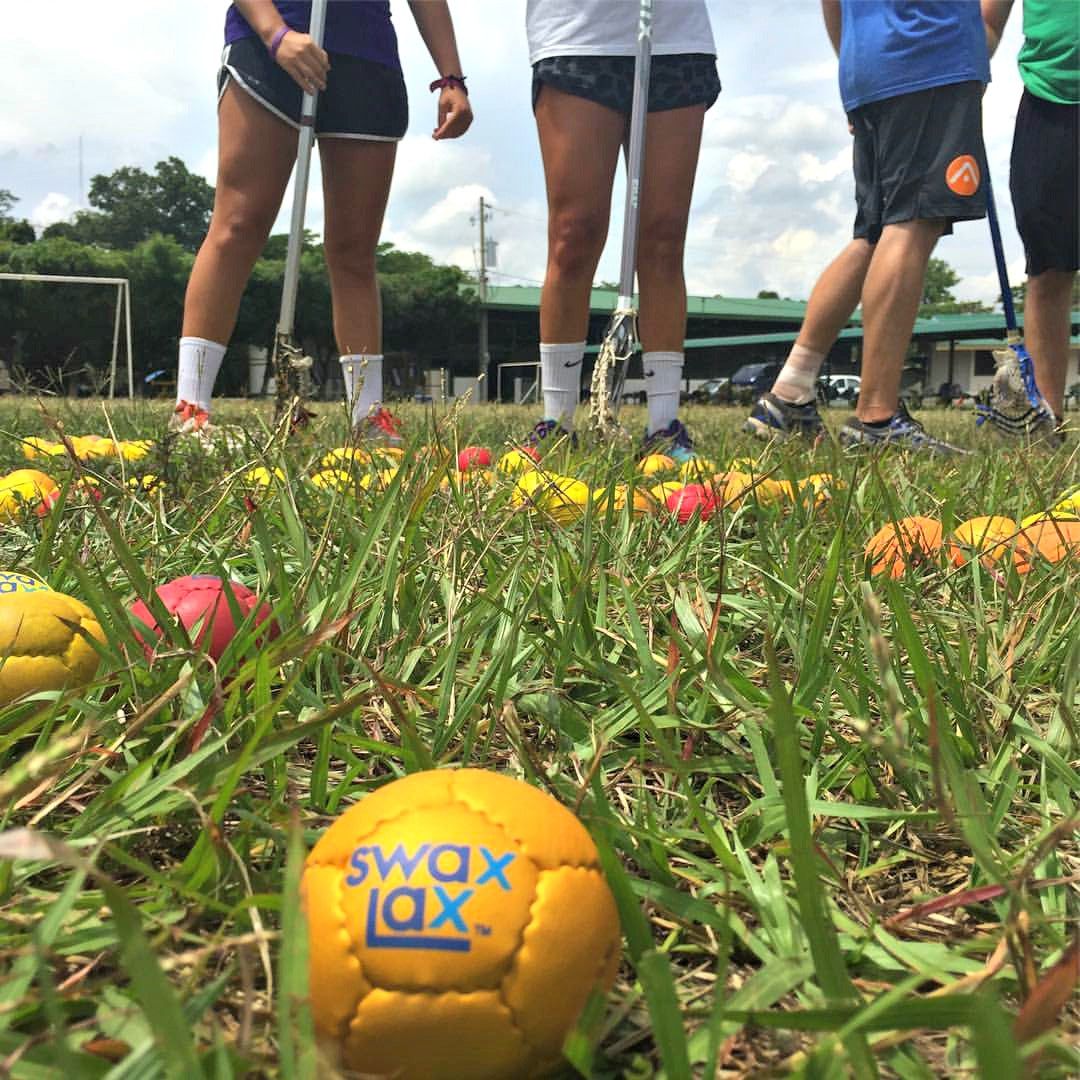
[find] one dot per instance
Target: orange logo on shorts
(962, 175)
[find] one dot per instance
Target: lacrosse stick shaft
(287, 318)
(639, 111)
(623, 323)
(999, 258)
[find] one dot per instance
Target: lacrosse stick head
(1017, 406)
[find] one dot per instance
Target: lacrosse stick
(621, 337)
(291, 366)
(1014, 377)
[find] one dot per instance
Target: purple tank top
(355, 27)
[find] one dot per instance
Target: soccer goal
(123, 307)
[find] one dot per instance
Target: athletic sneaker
(902, 430)
(380, 427)
(188, 418)
(674, 440)
(1017, 409)
(553, 430)
(774, 418)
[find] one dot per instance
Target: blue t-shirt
(355, 27)
(893, 47)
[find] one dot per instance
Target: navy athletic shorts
(676, 81)
(919, 157)
(362, 99)
(1045, 183)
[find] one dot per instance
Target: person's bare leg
(832, 302)
(579, 144)
(891, 295)
(835, 297)
(356, 183)
(1047, 321)
(256, 152)
(672, 141)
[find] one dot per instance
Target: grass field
(783, 757)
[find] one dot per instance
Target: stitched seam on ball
(346, 1022)
(517, 952)
(513, 963)
(503, 827)
(356, 839)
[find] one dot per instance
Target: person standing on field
(582, 55)
(362, 112)
(912, 75)
(1045, 187)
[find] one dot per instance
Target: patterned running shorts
(675, 81)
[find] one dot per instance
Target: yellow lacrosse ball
(43, 641)
(459, 921)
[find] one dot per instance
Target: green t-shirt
(1050, 56)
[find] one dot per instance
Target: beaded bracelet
(450, 80)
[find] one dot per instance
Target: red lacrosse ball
(474, 457)
(48, 500)
(200, 598)
(693, 500)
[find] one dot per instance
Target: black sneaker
(674, 440)
(553, 430)
(902, 430)
(774, 418)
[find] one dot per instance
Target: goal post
(123, 305)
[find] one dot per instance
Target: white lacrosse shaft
(639, 112)
(622, 333)
(306, 142)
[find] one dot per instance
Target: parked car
(752, 380)
(832, 388)
(713, 392)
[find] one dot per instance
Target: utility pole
(484, 358)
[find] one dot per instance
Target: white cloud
(812, 169)
(745, 169)
(53, 208)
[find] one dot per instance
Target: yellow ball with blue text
(458, 923)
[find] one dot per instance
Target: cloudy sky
(774, 196)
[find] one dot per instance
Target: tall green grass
(838, 815)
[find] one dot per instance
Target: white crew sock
(663, 378)
(363, 382)
(200, 361)
(560, 376)
(795, 383)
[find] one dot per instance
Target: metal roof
(602, 301)
(938, 328)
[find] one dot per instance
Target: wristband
(277, 39)
(450, 80)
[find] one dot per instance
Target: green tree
(768, 294)
(938, 298)
(16, 231)
(131, 205)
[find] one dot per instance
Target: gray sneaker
(902, 430)
(774, 418)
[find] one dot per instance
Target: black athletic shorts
(919, 156)
(1045, 183)
(676, 81)
(362, 99)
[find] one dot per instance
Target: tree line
(147, 226)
